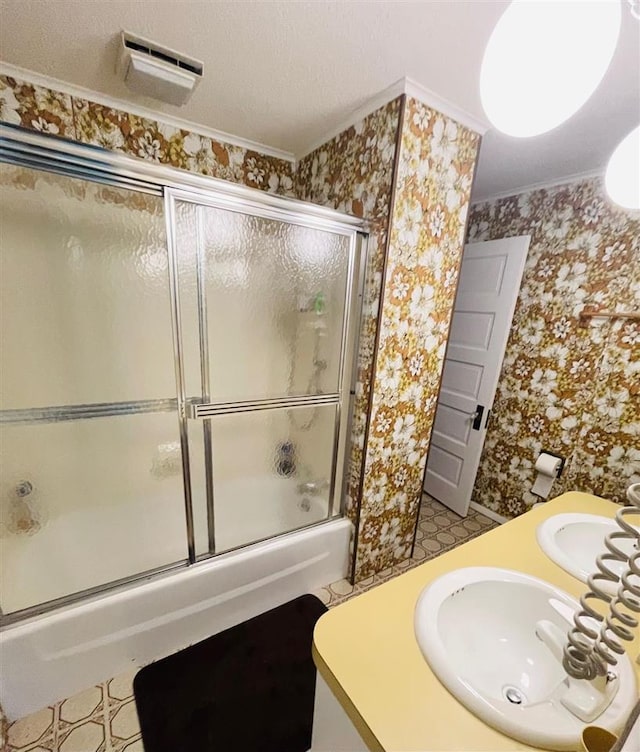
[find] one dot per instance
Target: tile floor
(439, 529)
(104, 719)
(100, 719)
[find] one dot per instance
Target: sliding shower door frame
(190, 408)
(86, 162)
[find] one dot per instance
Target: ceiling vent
(155, 71)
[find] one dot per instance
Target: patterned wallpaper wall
(434, 174)
(416, 238)
(52, 112)
(564, 387)
(422, 211)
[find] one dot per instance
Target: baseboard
(488, 512)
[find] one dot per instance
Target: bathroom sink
(573, 541)
(494, 638)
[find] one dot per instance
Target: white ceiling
(286, 73)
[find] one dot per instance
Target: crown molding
(355, 116)
(445, 106)
(120, 104)
(575, 177)
(402, 86)
(405, 86)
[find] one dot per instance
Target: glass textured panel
(85, 313)
(87, 502)
(186, 215)
(275, 298)
(271, 470)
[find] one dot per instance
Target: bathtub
(53, 656)
(104, 541)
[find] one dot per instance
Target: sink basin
(488, 635)
(573, 541)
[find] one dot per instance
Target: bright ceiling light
(622, 178)
(544, 60)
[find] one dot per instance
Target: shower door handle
(200, 410)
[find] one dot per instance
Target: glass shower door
(175, 361)
(90, 465)
(264, 309)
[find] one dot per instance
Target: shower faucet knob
(24, 488)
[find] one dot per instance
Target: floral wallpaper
(35, 108)
(48, 111)
(353, 173)
(403, 336)
(565, 386)
(435, 170)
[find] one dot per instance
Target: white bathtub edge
(54, 656)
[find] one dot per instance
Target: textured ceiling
(286, 73)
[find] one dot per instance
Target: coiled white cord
(595, 640)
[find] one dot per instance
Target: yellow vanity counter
(366, 651)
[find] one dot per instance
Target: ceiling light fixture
(544, 60)
(622, 178)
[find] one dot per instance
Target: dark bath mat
(248, 689)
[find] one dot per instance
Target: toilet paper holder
(548, 467)
(558, 456)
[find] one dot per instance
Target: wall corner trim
(48, 82)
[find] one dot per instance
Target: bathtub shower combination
(177, 362)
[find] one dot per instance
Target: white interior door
(486, 298)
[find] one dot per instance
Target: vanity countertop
(366, 651)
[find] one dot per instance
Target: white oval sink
(573, 541)
(481, 630)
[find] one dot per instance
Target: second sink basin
(573, 541)
(494, 638)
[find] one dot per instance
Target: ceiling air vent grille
(155, 71)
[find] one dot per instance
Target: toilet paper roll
(547, 467)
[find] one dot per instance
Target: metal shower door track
(55, 154)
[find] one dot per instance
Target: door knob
(477, 417)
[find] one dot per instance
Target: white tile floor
(104, 718)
